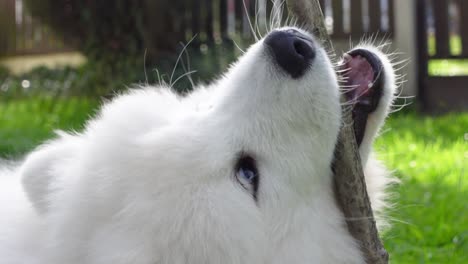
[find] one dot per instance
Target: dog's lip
(363, 76)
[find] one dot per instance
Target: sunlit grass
(430, 216)
(451, 67)
(23, 64)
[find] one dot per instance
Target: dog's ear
(42, 167)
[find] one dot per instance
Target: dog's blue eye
(247, 174)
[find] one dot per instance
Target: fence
(212, 20)
(344, 18)
(25, 34)
(355, 18)
(441, 22)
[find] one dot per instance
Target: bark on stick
(350, 186)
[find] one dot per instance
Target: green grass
(27, 122)
(430, 216)
(429, 155)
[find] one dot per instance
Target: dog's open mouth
(363, 77)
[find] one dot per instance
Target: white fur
(151, 179)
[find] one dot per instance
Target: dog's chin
(362, 71)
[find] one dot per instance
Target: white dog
(236, 172)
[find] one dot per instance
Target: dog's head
(237, 172)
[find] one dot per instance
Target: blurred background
(60, 58)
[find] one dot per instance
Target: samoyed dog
(235, 172)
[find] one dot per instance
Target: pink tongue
(359, 76)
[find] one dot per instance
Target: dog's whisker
(187, 68)
(187, 74)
(179, 57)
(250, 22)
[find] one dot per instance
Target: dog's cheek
(230, 224)
(209, 223)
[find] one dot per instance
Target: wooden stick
(310, 17)
(350, 186)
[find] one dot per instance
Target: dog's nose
(292, 50)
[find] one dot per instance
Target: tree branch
(350, 186)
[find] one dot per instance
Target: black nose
(292, 50)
